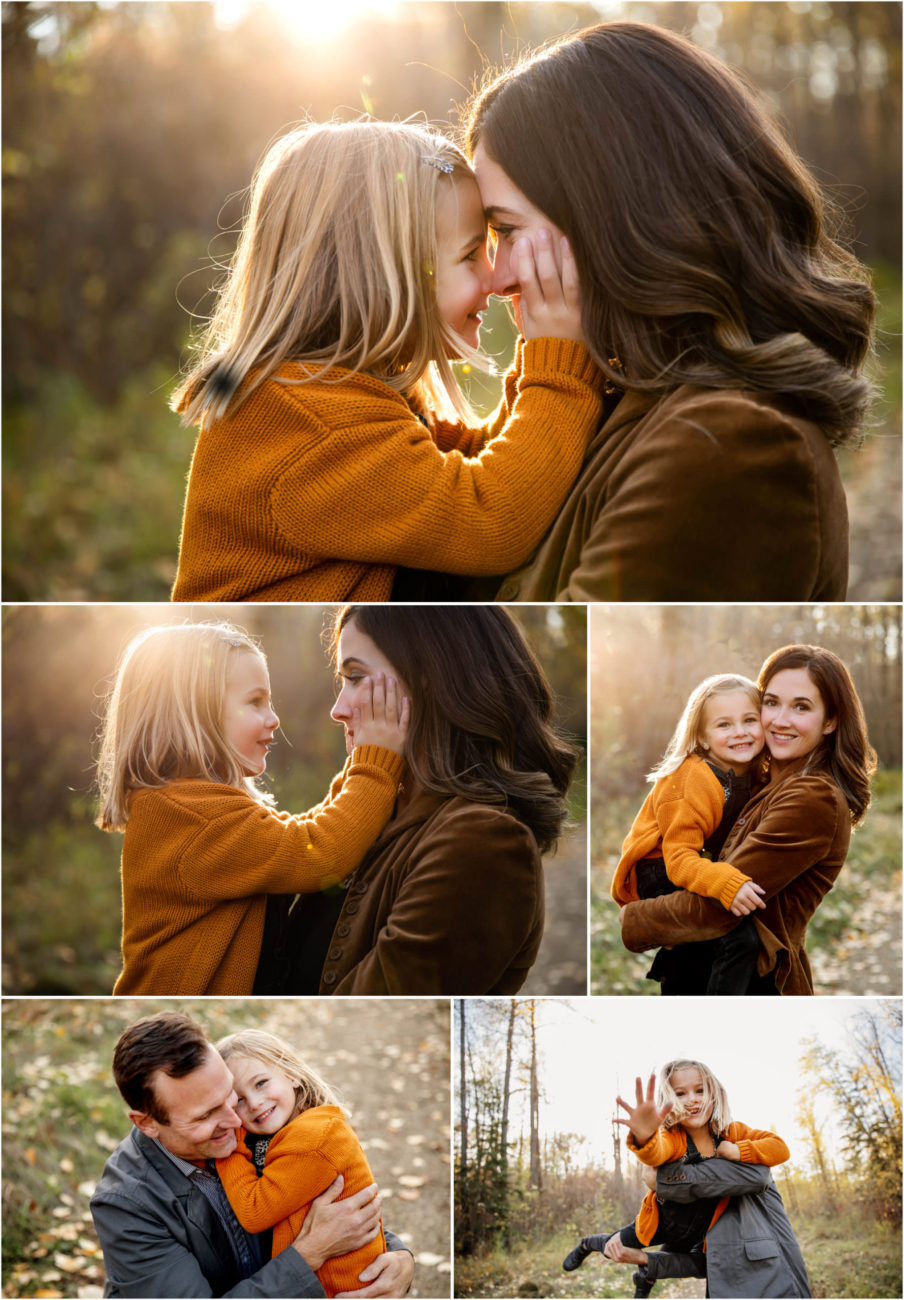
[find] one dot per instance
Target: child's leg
(667, 1263)
(734, 960)
(575, 1258)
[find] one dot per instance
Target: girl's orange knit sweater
(317, 491)
(677, 815)
(757, 1147)
(199, 860)
(302, 1160)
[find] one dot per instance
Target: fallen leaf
(411, 1195)
(411, 1180)
(66, 1165)
(428, 1260)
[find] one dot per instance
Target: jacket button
(508, 591)
(742, 821)
(334, 954)
(361, 887)
(351, 908)
(343, 931)
(329, 977)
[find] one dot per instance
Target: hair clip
(441, 164)
(237, 644)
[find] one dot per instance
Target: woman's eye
(502, 232)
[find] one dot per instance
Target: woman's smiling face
(357, 657)
(794, 715)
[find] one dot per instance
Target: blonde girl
(689, 1120)
(334, 442)
(294, 1142)
(185, 738)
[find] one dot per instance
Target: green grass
(849, 1257)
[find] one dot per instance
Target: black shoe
(642, 1284)
(575, 1258)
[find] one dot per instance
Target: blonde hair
(310, 1089)
(714, 1094)
(686, 736)
(164, 716)
(336, 267)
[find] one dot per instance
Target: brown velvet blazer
(792, 839)
(449, 900)
(704, 494)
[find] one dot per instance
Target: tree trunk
(535, 1171)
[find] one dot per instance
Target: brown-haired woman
(449, 899)
(792, 838)
(732, 325)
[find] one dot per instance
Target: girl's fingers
(547, 271)
(392, 702)
(624, 1105)
(651, 1087)
(379, 697)
(571, 289)
(405, 713)
(526, 271)
(366, 709)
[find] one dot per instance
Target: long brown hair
(844, 753)
(701, 239)
(481, 708)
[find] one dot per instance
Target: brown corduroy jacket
(448, 901)
(792, 839)
(704, 494)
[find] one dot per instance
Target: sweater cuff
(748, 1155)
(376, 756)
(646, 1154)
(542, 356)
(730, 881)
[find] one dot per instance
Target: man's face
(200, 1108)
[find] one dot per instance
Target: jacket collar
(419, 809)
(178, 1182)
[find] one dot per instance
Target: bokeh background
(130, 133)
(61, 888)
(62, 1116)
(645, 661)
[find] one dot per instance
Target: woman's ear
(830, 726)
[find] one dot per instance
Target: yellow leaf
(31, 1155)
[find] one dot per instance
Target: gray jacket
(751, 1251)
(161, 1238)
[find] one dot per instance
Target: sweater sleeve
(652, 539)
(758, 1146)
(684, 824)
(245, 849)
(471, 441)
(795, 833)
(292, 1177)
(413, 505)
(665, 1145)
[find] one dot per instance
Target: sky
(593, 1049)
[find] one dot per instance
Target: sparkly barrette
(441, 164)
(237, 644)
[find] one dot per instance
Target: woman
(716, 301)
(449, 900)
(791, 838)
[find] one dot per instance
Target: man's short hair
(169, 1041)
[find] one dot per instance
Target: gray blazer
(751, 1251)
(161, 1238)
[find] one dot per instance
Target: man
(161, 1214)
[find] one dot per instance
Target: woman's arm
(796, 832)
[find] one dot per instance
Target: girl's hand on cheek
(382, 718)
(550, 298)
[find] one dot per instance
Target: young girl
(692, 1108)
(702, 783)
(294, 1143)
(186, 734)
(328, 454)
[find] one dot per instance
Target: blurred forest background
(130, 132)
(645, 662)
(61, 889)
(62, 1116)
(528, 1186)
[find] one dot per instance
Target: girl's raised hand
(644, 1117)
(382, 718)
(550, 304)
(748, 897)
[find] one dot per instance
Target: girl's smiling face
(731, 730)
(357, 657)
(266, 1096)
(793, 715)
(249, 722)
(463, 271)
(692, 1101)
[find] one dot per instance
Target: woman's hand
(333, 1227)
(550, 299)
(382, 719)
(728, 1151)
(620, 1254)
(388, 1275)
(748, 897)
(644, 1117)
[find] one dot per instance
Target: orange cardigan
(676, 817)
(757, 1147)
(302, 1161)
(317, 491)
(199, 859)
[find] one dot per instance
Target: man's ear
(148, 1126)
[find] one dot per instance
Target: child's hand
(382, 719)
(645, 1116)
(550, 300)
(749, 896)
(728, 1151)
